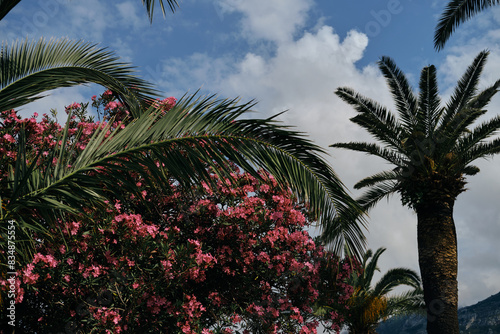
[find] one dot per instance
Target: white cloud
(128, 16)
(275, 20)
(89, 20)
(302, 78)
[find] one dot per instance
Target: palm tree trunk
(437, 248)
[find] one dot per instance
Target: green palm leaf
(477, 135)
(29, 69)
(195, 134)
(406, 303)
(150, 6)
(373, 149)
(378, 192)
(463, 93)
(370, 267)
(394, 278)
(455, 13)
(406, 102)
(429, 102)
(481, 150)
(374, 118)
(379, 177)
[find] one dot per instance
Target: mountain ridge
(480, 318)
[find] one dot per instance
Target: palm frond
(455, 13)
(370, 267)
(373, 149)
(380, 131)
(379, 177)
(463, 93)
(471, 170)
(29, 69)
(369, 305)
(461, 139)
(477, 135)
(406, 102)
(194, 135)
(481, 150)
(377, 192)
(406, 303)
(428, 102)
(376, 119)
(457, 129)
(482, 99)
(150, 6)
(396, 277)
(340, 236)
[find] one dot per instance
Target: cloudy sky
(292, 55)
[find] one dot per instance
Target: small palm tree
(432, 149)
(369, 305)
(456, 13)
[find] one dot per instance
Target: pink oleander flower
(28, 276)
(74, 105)
(9, 138)
(112, 105)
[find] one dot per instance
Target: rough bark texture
(437, 248)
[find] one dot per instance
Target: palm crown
(432, 147)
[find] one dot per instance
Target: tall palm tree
(432, 149)
(369, 305)
(456, 13)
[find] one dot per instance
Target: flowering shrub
(235, 259)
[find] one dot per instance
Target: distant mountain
(480, 318)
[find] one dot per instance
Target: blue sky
(292, 55)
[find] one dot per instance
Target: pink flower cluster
(165, 104)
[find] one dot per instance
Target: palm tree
(369, 305)
(432, 148)
(455, 13)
